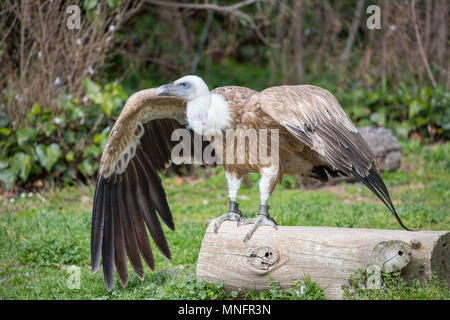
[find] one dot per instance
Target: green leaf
(92, 150)
(379, 117)
(53, 153)
(70, 156)
(48, 155)
(4, 164)
(76, 113)
(5, 131)
(35, 109)
(87, 168)
(42, 155)
(415, 107)
(92, 89)
(4, 121)
(106, 102)
(90, 4)
(49, 128)
(425, 93)
(25, 134)
(420, 121)
(113, 3)
(8, 177)
(101, 139)
(21, 165)
(69, 137)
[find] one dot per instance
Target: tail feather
(374, 182)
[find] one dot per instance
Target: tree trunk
(328, 255)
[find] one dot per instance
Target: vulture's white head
(205, 113)
(188, 88)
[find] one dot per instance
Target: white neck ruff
(208, 114)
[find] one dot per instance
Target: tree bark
(328, 255)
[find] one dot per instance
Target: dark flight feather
(154, 188)
(119, 240)
(132, 186)
(108, 238)
(374, 182)
(97, 224)
(349, 154)
(126, 205)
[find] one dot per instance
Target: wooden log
(328, 255)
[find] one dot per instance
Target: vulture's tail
(374, 182)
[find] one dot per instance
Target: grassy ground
(41, 235)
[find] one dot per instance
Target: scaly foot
(234, 214)
(263, 219)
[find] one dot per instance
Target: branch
(231, 9)
(204, 6)
(203, 37)
(355, 24)
(419, 43)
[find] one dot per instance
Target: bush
(408, 110)
(59, 146)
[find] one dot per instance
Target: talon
(263, 219)
(230, 216)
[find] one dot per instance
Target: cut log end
(392, 255)
(328, 255)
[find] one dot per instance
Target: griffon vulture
(315, 138)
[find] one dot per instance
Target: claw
(261, 220)
(230, 216)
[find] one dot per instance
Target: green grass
(394, 287)
(41, 235)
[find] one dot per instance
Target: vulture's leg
(233, 214)
(269, 178)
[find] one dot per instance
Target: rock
(385, 146)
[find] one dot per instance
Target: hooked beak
(165, 90)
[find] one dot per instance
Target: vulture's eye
(185, 85)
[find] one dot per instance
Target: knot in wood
(262, 257)
(393, 255)
(415, 244)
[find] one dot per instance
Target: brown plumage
(316, 138)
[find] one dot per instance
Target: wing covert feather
(314, 116)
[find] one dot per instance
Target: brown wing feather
(139, 108)
(315, 117)
(129, 194)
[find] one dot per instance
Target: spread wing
(313, 115)
(129, 193)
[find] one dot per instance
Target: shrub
(59, 146)
(407, 109)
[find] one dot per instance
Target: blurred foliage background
(62, 87)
